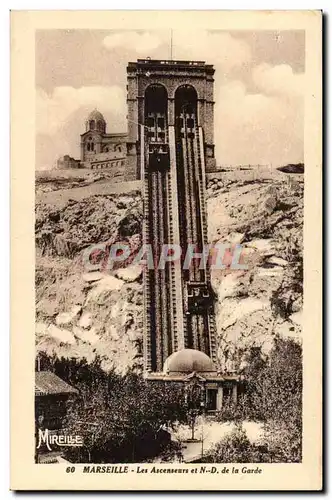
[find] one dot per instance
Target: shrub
(235, 447)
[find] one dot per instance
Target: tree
(125, 421)
(88, 417)
(273, 396)
(274, 385)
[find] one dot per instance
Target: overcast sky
(259, 84)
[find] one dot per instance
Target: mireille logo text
(57, 439)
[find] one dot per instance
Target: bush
(235, 447)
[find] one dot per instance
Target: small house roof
(48, 383)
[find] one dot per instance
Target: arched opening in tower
(185, 102)
(155, 118)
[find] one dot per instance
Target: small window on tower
(88, 146)
(92, 125)
(150, 122)
(92, 146)
(161, 122)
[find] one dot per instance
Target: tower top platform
(168, 65)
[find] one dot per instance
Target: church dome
(96, 121)
(96, 115)
(188, 361)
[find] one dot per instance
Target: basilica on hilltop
(99, 149)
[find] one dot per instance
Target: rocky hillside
(80, 313)
(84, 314)
(265, 216)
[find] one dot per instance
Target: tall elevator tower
(170, 148)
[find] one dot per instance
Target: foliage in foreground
(272, 395)
(121, 418)
(235, 447)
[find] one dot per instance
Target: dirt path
(60, 198)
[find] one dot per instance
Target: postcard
(166, 250)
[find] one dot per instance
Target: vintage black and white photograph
(169, 248)
(176, 302)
